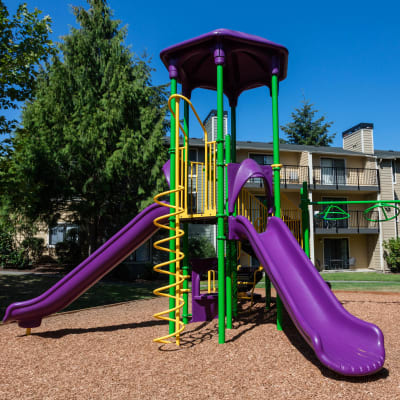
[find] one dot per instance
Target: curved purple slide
(29, 313)
(341, 341)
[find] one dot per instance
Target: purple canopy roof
(249, 62)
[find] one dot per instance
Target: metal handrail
(345, 176)
(356, 220)
(289, 174)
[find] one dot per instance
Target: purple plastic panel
(29, 313)
(204, 306)
(167, 171)
(341, 341)
(239, 174)
(249, 61)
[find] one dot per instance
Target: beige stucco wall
(286, 158)
(290, 200)
(374, 253)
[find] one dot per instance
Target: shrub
(200, 247)
(10, 255)
(33, 248)
(68, 252)
(392, 253)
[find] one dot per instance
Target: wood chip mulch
(108, 353)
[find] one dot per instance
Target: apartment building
(353, 172)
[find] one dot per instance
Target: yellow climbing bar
(199, 191)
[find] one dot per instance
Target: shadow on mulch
(204, 332)
(249, 317)
(256, 316)
(78, 331)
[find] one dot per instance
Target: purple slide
(29, 313)
(341, 341)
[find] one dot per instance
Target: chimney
(211, 122)
(359, 138)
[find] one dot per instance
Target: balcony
(327, 178)
(356, 223)
(292, 176)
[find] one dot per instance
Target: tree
(91, 146)
(24, 43)
(307, 131)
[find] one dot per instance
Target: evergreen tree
(24, 42)
(91, 145)
(307, 131)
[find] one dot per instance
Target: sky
(344, 56)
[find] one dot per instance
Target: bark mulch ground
(108, 353)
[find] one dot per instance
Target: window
(394, 171)
(193, 154)
(262, 159)
(336, 253)
(333, 171)
(63, 232)
(142, 254)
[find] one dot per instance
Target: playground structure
(228, 62)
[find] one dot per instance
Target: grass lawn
(24, 287)
(360, 276)
(366, 286)
(360, 281)
(363, 281)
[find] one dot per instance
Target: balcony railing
(337, 176)
(356, 223)
(289, 174)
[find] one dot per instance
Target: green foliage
(200, 247)
(91, 145)
(392, 253)
(68, 253)
(307, 131)
(16, 253)
(24, 42)
(33, 248)
(10, 255)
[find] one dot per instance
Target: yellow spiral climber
(178, 277)
(173, 314)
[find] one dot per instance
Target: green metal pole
(220, 205)
(275, 136)
(305, 218)
(229, 243)
(172, 155)
(234, 245)
(276, 176)
(339, 202)
(185, 261)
